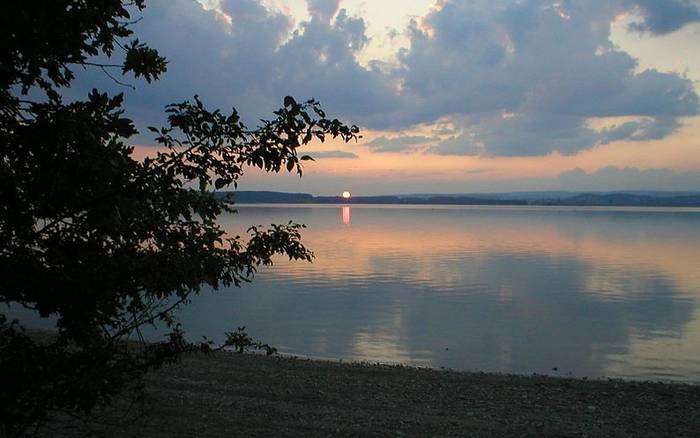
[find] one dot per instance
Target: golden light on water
(346, 195)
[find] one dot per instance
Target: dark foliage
(98, 240)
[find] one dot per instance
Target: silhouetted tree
(98, 240)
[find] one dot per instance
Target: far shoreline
(503, 207)
(629, 198)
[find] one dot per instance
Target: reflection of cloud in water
(504, 290)
(546, 320)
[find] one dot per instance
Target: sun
(346, 195)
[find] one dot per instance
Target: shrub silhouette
(100, 241)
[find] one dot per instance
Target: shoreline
(228, 394)
(557, 375)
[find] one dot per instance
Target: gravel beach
(250, 395)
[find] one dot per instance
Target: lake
(562, 291)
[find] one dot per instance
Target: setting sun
(346, 195)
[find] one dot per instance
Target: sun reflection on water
(346, 215)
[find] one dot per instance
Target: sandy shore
(248, 395)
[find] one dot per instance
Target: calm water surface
(588, 291)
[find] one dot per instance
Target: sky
(452, 96)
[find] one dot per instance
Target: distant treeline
(658, 199)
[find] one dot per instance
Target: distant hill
(626, 199)
(631, 200)
(545, 196)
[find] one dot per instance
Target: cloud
(228, 62)
(542, 134)
(462, 144)
(648, 129)
(320, 61)
(319, 155)
(549, 67)
(662, 17)
(555, 67)
(478, 171)
(402, 143)
(252, 59)
(528, 134)
(629, 178)
(323, 10)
